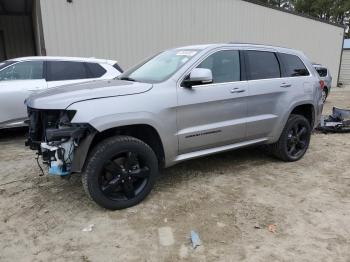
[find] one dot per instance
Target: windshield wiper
(127, 78)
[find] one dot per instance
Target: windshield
(160, 67)
(6, 63)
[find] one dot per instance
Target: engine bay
(55, 138)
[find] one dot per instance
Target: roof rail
(269, 45)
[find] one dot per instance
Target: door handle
(237, 90)
(284, 85)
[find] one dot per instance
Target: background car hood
(63, 96)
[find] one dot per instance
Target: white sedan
(21, 77)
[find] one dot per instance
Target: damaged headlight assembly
(56, 138)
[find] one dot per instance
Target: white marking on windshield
(186, 53)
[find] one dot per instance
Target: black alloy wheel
(124, 176)
(120, 172)
(324, 95)
(297, 140)
(294, 140)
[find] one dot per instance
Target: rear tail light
(321, 84)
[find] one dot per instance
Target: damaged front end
(338, 122)
(59, 142)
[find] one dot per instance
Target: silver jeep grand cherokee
(180, 104)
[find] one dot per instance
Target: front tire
(294, 140)
(120, 172)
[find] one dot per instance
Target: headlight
(66, 117)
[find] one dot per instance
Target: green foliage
(336, 11)
(278, 3)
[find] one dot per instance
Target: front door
(213, 115)
(17, 82)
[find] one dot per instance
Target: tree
(278, 3)
(336, 11)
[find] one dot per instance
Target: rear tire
(324, 94)
(120, 172)
(294, 140)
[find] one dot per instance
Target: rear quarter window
(322, 72)
(95, 70)
(116, 66)
(293, 66)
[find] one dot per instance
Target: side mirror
(199, 76)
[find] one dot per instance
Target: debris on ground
(272, 228)
(195, 239)
(88, 228)
(219, 224)
(166, 237)
(337, 122)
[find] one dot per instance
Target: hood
(63, 96)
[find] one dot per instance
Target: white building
(344, 77)
(130, 30)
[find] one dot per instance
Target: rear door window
(66, 70)
(95, 70)
(293, 66)
(224, 65)
(28, 70)
(262, 65)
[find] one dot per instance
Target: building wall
(131, 30)
(38, 30)
(18, 35)
(345, 68)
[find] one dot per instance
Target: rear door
(213, 115)
(301, 82)
(266, 92)
(70, 72)
(17, 82)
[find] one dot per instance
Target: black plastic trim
(82, 151)
(242, 66)
(69, 132)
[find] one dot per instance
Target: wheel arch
(307, 110)
(145, 132)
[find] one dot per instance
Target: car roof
(245, 46)
(319, 65)
(63, 58)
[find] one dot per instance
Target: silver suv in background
(180, 104)
(326, 77)
(21, 77)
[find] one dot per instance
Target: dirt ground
(230, 199)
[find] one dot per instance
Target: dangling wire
(37, 161)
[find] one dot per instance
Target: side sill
(210, 151)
